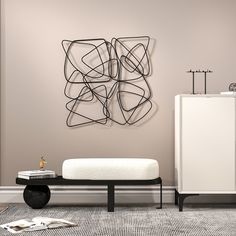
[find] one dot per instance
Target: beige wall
(198, 34)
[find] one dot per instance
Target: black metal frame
(180, 197)
(109, 183)
(205, 78)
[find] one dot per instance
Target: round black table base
(36, 196)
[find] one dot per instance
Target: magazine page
(52, 222)
(20, 226)
(37, 223)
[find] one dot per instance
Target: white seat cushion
(110, 168)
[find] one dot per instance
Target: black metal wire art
(107, 81)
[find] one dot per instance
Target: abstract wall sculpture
(107, 81)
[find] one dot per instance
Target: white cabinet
(205, 131)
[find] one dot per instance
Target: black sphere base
(36, 196)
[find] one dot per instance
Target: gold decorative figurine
(42, 163)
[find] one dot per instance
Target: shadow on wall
(106, 82)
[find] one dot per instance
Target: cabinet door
(208, 144)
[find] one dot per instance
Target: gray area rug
(3, 207)
(131, 221)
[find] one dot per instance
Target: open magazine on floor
(37, 223)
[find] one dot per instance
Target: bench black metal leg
(161, 195)
(160, 207)
(110, 197)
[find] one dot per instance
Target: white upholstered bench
(97, 171)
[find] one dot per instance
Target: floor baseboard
(98, 195)
(92, 195)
